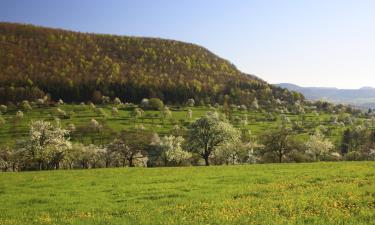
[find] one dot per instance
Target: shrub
(354, 156)
(61, 114)
(25, 105)
(190, 102)
(155, 104)
(3, 109)
(19, 114)
(117, 101)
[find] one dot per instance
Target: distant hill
(363, 97)
(78, 66)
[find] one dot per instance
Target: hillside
(74, 66)
(364, 97)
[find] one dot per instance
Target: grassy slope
(316, 193)
(258, 123)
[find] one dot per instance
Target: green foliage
(155, 104)
(16, 126)
(136, 142)
(137, 113)
(79, 67)
(208, 133)
(86, 126)
(25, 105)
(2, 121)
(277, 143)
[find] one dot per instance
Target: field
(315, 193)
(258, 122)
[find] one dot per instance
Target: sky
(325, 43)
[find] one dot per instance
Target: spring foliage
(79, 67)
(172, 152)
(210, 132)
(45, 142)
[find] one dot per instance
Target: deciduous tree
(45, 142)
(171, 149)
(208, 133)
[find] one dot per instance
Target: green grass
(316, 193)
(258, 122)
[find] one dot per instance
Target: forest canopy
(75, 67)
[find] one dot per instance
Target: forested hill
(74, 66)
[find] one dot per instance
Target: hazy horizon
(304, 86)
(310, 44)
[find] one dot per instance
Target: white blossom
(71, 127)
(46, 140)
(144, 103)
(92, 105)
(136, 113)
(190, 102)
(115, 112)
(189, 114)
(167, 113)
(3, 109)
(172, 150)
(25, 105)
(210, 132)
(318, 145)
(255, 104)
(105, 99)
(19, 114)
(94, 125)
(155, 139)
(117, 101)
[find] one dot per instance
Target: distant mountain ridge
(364, 96)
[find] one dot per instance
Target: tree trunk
(206, 160)
(206, 154)
(130, 159)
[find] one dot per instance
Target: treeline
(76, 67)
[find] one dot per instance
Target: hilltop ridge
(78, 66)
(363, 97)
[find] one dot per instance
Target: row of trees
(211, 139)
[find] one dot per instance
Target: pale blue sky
(307, 42)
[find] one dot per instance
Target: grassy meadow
(258, 122)
(315, 193)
